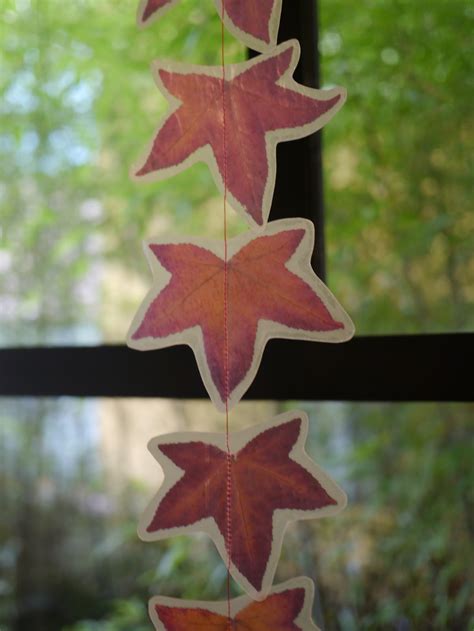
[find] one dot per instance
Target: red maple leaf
(272, 292)
(263, 106)
(254, 22)
(273, 482)
(287, 608)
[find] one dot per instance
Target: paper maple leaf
(263, 105)
(287, 608)
(273, 482)
(254, 22)
(272, 292)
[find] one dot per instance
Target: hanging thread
(228, 520)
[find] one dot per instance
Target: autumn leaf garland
(226, 300)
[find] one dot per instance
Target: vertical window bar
(299, 185)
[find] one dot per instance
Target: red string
(228, 520)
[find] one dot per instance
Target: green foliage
(127, 615)
(399, 163)
(405, 540)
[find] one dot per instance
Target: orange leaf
(263, 106)
(287, 608)
(272, 292)
(273, 482)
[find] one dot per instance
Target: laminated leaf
(287, 608)
(263, 106)
(272, 291)
(272, 482)
(254, 22)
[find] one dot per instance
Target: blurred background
(78, 105)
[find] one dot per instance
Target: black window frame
(389, 368)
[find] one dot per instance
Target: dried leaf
(273, 482)
(287, 608)
(263, 106)
(272, 292)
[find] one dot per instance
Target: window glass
(76, 475)
(399, 163)
(78, 107)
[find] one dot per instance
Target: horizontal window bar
(375, 368)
